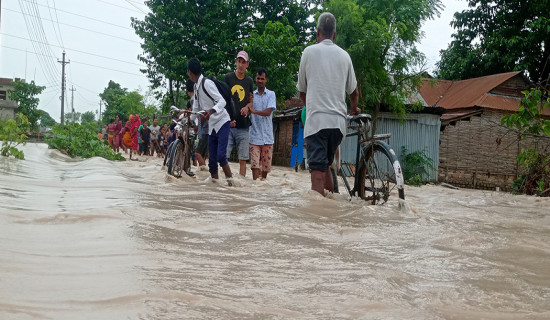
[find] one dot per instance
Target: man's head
(145, 123)
(155, 122)
(189, 87)
(261, 78)
(194, 69)
(242, 62)
(326, 27)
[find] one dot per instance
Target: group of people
(325, 75)
(137, 137)
(249, 131)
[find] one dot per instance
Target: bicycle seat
(362, 118)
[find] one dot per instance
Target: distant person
(325, 75)
(155, 131)
(261, 131)
(145, 133)
(241, 87)
(135, 124)
(216, 115)
(117, 139)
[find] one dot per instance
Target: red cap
(242, 54)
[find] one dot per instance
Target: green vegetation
(120, 101)
(46, 121)
(499, 36)
(81, 141)
(12, 134)
(415, 166)
(25, 95)
(528, 122)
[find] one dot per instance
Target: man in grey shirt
(325, 76)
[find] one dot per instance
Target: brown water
(93, 239)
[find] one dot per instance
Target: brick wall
(481, 154)
(283, 145)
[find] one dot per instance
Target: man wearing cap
(241, 87)
(325, 76)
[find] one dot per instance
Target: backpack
(225, 91)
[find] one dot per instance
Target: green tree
(528, 121)
(380, 36)
(13, 133)
(25, 95)
(45, 119)
(281, 65)
(69, 117)
(120, 101)
(88, 117)
(212, 31)
(499, 36)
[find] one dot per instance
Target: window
(3, 95)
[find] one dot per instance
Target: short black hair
(189, 85)
(194, 65)
(262, 71)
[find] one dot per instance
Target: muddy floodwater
(95, 239)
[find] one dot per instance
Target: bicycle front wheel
(187, 152)
(379, 174)
(168, 152)
(175, 164)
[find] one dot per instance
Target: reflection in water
(93, 239)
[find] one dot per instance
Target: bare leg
(200, 159)
(318, 181)
(227, 171)
(255, 173)
(329, 184)
(264, 174)
(242, 167)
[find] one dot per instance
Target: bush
(80, 141)
(415, 166)
(12, 134)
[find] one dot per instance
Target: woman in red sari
(118, 134)
(134, 132)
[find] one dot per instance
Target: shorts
(260, 157)
(202, 147)
(144, 147)
(321, 148)
(240, 138)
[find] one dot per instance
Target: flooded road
(94, 239)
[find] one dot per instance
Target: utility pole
(72, 100)
(63, 63)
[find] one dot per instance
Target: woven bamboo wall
(471, 155)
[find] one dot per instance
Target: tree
(13, 133)
(88, 117)
(69, 117)
(499, 36)
(45, 119)
(25, 95)
(380, 36)
(212, 31)
(120, 101)
(281, 65)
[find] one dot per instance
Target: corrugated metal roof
(465, 93)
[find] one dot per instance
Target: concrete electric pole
(63, 63)
(72, 100)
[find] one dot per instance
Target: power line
(79, 62)
(82, 16)
(133, 5)
(75, 50)
(116, 5)
(77, 27)
(59, 38)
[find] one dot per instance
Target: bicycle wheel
(175, 164)
(379, 174)
(186, 152)
(168, 151)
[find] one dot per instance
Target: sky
(100, 45)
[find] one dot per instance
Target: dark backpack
(225, 91)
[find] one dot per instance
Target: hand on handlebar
(354, 111)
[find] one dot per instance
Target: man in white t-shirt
(326, 74)
(155, 131)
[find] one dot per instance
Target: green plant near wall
(80, 141)
(415, 166)
(12, 134)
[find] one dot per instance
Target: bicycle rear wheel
(186, 152)
(175, 164)
(379, 174)
(168, 151)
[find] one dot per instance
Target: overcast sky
(101, 46)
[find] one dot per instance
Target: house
(7, 106)
(476, 151)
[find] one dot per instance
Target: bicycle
(178, 154)
(376, 171)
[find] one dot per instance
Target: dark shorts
(321, 148)
(202, 147)
(144, 147)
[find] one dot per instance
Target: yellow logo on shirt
(239, 90)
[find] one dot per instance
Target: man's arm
(354, 99)
(210, 87)
(271, 105)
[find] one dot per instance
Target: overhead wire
(59, 39)
(116, 5)
(39, 31)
